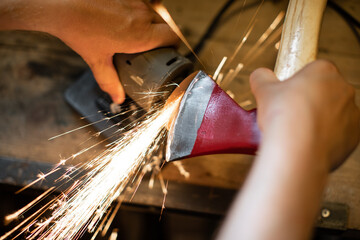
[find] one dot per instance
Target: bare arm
(310, 124)
(95, 29)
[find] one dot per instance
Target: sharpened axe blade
(209, 121)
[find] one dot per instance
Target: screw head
(325, 213)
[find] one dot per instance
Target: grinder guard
(159, 70)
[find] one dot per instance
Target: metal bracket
(333, 216)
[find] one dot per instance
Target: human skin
(95, 29)
(309, 125)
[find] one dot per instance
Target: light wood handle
(300, 36)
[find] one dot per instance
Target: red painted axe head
(208, 121)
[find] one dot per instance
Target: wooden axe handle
(300, 36)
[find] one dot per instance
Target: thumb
(262, 83)
(260, 78)
(108, 79)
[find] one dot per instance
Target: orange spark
(164, 13)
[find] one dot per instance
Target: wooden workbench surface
(35, 69)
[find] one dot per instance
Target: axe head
(208, 121)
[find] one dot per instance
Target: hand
(98, 29)
(95, 29)
(315, 105)
(309, 124)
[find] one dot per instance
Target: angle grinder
(159, 70)
(148, 78)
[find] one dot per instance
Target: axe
(208, 121)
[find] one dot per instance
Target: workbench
(36, 68)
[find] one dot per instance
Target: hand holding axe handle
(208, 121)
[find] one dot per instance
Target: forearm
(281, 197)
(310, 124)
(95, 29)
(32, 15)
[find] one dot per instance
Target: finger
(320, 69)
(322, 65)
(108, 80)
(261, 77)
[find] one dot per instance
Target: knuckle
(253, 77)
(258, 73)
(140, 10)
(140, 5)
(326, 66)
(351, 91)
(97, 62)
(348, 89)
(106, 86)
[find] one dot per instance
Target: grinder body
(141, 74)
(150, 77)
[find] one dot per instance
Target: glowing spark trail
(248, 31)
(40, 178)
(87, 204)
(262, 48)
(109, 174)
(163, 12)
(113, 168)
(16, 214)
(265, 35)
(261, 44)
(231, 75)
(218, 69)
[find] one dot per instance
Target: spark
(245, 103)
(83, 206)
(15, 215)
(218, 69)
(111, 219)
(41, 177)
(152, 180)
(241, 9)
(231, 75)
(102, 224)
(162, 184)
(164, 199)
(220, 78)
(248, 31)
(274, 37)
(74, 130)
(164, 13)
(105, 119)
(26, 228)
(62, 162)
(265, 35)
(181, 169)
(87, 204)
(277, 45)
(114, 235)
(241, 44)
(230, 93)
(261, 44)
